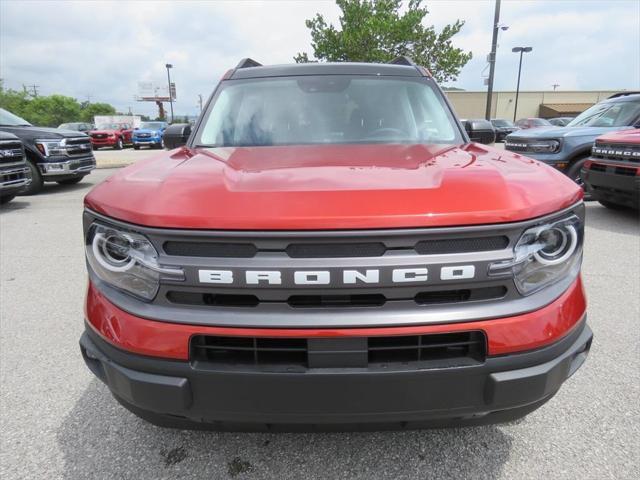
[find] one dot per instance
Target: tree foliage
(377, 31)
(52, 110)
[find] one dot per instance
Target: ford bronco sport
(327, 250)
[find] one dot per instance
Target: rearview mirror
(176, 135)
(480, 131)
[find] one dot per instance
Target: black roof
(623, 97)
(380, 69)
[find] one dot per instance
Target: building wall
(473, 104)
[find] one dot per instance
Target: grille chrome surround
(624, 153)
(336, 305)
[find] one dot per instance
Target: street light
(519, 50)
(169, 66)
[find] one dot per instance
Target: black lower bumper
(174, 394)
(611, 187)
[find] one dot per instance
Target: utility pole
(200, 101)
(555, 85)
(33, 88)
(169, 66)
(492, 58)
(519, 50)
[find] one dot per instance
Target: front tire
(70, 181)
(136, 147)
(36, 180)
(573, 172)
(119, 144)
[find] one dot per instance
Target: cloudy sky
(102, 49)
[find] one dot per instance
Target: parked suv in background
(613, 170)
(560, 121)
(503, 128)
(526, 123)
(329, 250)
(53, 155)
(14, 172)
(149, 133)
(567, 148)
(77, 126)
(115, 135)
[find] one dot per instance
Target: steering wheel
(387, 132)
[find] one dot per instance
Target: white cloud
(103, 48)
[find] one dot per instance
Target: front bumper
(180, 394)
(611, 186)
(104, 142)
(13, 179)
(68, 168)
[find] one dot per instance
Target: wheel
(136, 147)
(611, 205)
(6, 199)
(119, 144)
(36, 180)
(573, 172)
(162, 143)
(70, 181)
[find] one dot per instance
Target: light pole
(169, 67)
(520, 50)
(492, 56)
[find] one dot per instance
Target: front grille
(617, 152)
(442, 350)
(11, 152)
(99, 135)
(430, 297)
(337, 250)
(614, 170)
(628, 172)
(78, 146)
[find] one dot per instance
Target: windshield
(502, 123)
(616, 114)
(540, 122)
(327, 109)
(69, 126)
(109, 126)
(152, 125)
(8, 119)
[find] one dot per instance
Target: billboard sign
(154, 92)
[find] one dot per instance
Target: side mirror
(480, 131)
(176, 135)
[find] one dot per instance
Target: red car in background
(612, 172)
(115, 135)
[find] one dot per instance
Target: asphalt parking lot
(58, 421)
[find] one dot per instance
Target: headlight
(49, 147)
(126, 260)
(545, 254)
(544, 146)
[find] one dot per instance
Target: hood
(32, 132)
(631, 135)
(332, 187)
(108, 132)
(562, 132)
(147, 130)
(4, 136)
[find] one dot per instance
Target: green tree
(13, 101)
(376, 31)
(90, 110)
(52, 110)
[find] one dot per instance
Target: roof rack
(403, 60)
(247, 63)
(623, 94)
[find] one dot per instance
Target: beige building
(530, 104)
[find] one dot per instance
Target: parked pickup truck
(114, 135)
(53, 155)
(328, 250)
(612, 172)
(150, 134)
(14, 172)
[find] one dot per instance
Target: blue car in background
(149, 133)
(567, 148)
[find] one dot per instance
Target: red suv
(115, 135)
(612, 172)
(328, 250)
